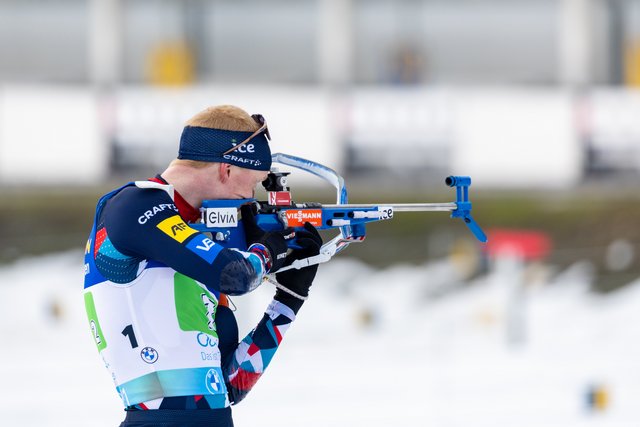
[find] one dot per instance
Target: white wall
(51, 135)
(503, 137)
(515, 138)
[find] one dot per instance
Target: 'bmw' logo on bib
(149, 355)
(213, 381)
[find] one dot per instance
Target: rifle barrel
(403, 207)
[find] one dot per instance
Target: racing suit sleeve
(144, 224)
(245, 365)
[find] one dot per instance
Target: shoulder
(145, 190)
(142, 201)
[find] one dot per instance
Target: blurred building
(302, 41)
(436, 78)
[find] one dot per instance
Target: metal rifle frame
(349, 219)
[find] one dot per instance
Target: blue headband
(209, 145)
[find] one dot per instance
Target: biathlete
(156, 289)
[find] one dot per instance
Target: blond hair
(225, 117)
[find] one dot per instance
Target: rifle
(220, 217)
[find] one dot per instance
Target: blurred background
(537, 100)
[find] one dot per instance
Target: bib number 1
(128, 332)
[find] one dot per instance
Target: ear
(224, 172)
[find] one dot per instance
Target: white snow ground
(370, 348)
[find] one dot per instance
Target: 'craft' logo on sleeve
(147, 215)
(176, 228)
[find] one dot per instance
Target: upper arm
(145, 223)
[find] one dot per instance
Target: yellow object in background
(598, 397)
(601, 398)
(171, 64)
(632, 64)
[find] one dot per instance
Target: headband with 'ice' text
(216, 145)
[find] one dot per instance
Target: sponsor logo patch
(279, 198)
(221, 217)
(242, 160)
(385, 212)
(247, 148)
(213, 381)
(297, 217)
(94, 324)
(206, 340)
(149, 355)
(195, 306)
(176, 228)
(204, 247)
(147, 215)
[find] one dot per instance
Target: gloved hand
(299, 281)
(271, 246)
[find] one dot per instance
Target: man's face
(242, 182)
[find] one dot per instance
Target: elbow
(240, 275)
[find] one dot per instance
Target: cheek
(248, 184)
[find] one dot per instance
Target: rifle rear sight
(276, 181)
